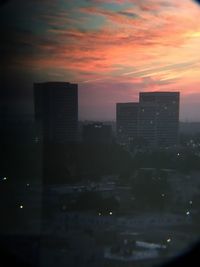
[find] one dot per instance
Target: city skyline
(112, 49)
(154, 120)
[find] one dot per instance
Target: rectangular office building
(159, 118)
(127, 122)
(56, 111)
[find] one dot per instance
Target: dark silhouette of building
(147, 123)
(127, 122)
(155, 119)
(56, 111)
(159, 118)
(97, 133)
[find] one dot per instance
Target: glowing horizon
(112, 49)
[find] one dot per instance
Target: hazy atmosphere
(112, 49)
(100, 133)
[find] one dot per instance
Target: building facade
(56, 111)
(127, 122)
(159, 118)
(155, 119)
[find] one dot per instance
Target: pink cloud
(153, 45)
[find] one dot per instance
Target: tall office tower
(127, 122)
(147, 123)
(56, 111)
(159, 118)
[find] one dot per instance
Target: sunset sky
(112, 49)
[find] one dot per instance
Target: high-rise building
(155, 119)
(127, 122)
(147, 123)
(56, 111)
(159, 118)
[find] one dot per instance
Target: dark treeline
(21, 162)
(183, 161)
(57, 164)
(87, 162)
(79, 162)
(151, 190)
(64, 164)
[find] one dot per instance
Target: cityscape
(100, 133)
(102, 184)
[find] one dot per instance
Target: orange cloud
(140, 45)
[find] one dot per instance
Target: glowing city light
(110, 213)
(21, 206)
(187, 213)
(169, 240)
